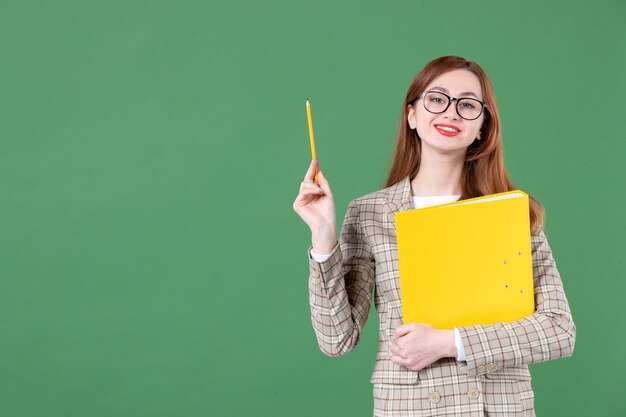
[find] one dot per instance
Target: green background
(151, 263)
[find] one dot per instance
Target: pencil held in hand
(311, 136)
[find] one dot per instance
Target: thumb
(323, 182)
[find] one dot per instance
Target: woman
(448, 148)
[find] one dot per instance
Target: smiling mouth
(447, 128)
(447, 131)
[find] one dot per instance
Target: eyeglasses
(437, 102)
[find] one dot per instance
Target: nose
(451, 112)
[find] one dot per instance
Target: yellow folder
(466, 263)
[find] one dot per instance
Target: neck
(439, 175)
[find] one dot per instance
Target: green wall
(151, 263)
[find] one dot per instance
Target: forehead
(458, 83)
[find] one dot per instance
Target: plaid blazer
(494, 380)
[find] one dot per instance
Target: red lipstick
(450, 131)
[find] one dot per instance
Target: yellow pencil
(311, 137)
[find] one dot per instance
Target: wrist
(323, 239)
(448, 345)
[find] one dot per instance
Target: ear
(479, 133)
(411, 117)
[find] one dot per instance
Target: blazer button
(481, 369)
(473, 393)
(492, 367)
(434, 397)
(316, 274)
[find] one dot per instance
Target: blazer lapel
(398, 199)
(399, 196)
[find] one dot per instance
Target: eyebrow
(445, 90)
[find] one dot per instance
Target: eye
(436, 100)
(468, 105)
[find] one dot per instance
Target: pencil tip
(307, 100)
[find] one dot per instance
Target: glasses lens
(435, 102)
(469, 108)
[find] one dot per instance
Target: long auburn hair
(484, 171)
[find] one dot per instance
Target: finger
(313, 167)
(403, 330)
(306, 196)
(398, 360)
(309, 186)
(310, 191)
(407, 363)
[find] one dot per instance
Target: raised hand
(316, 206)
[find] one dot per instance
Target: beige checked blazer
(494, 380)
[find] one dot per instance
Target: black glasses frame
(483, 106)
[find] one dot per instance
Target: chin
(447, 148)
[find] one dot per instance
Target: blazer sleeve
(547, 334)
(340, 288)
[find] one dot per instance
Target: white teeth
(447, 129)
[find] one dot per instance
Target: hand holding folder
(467, 262)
